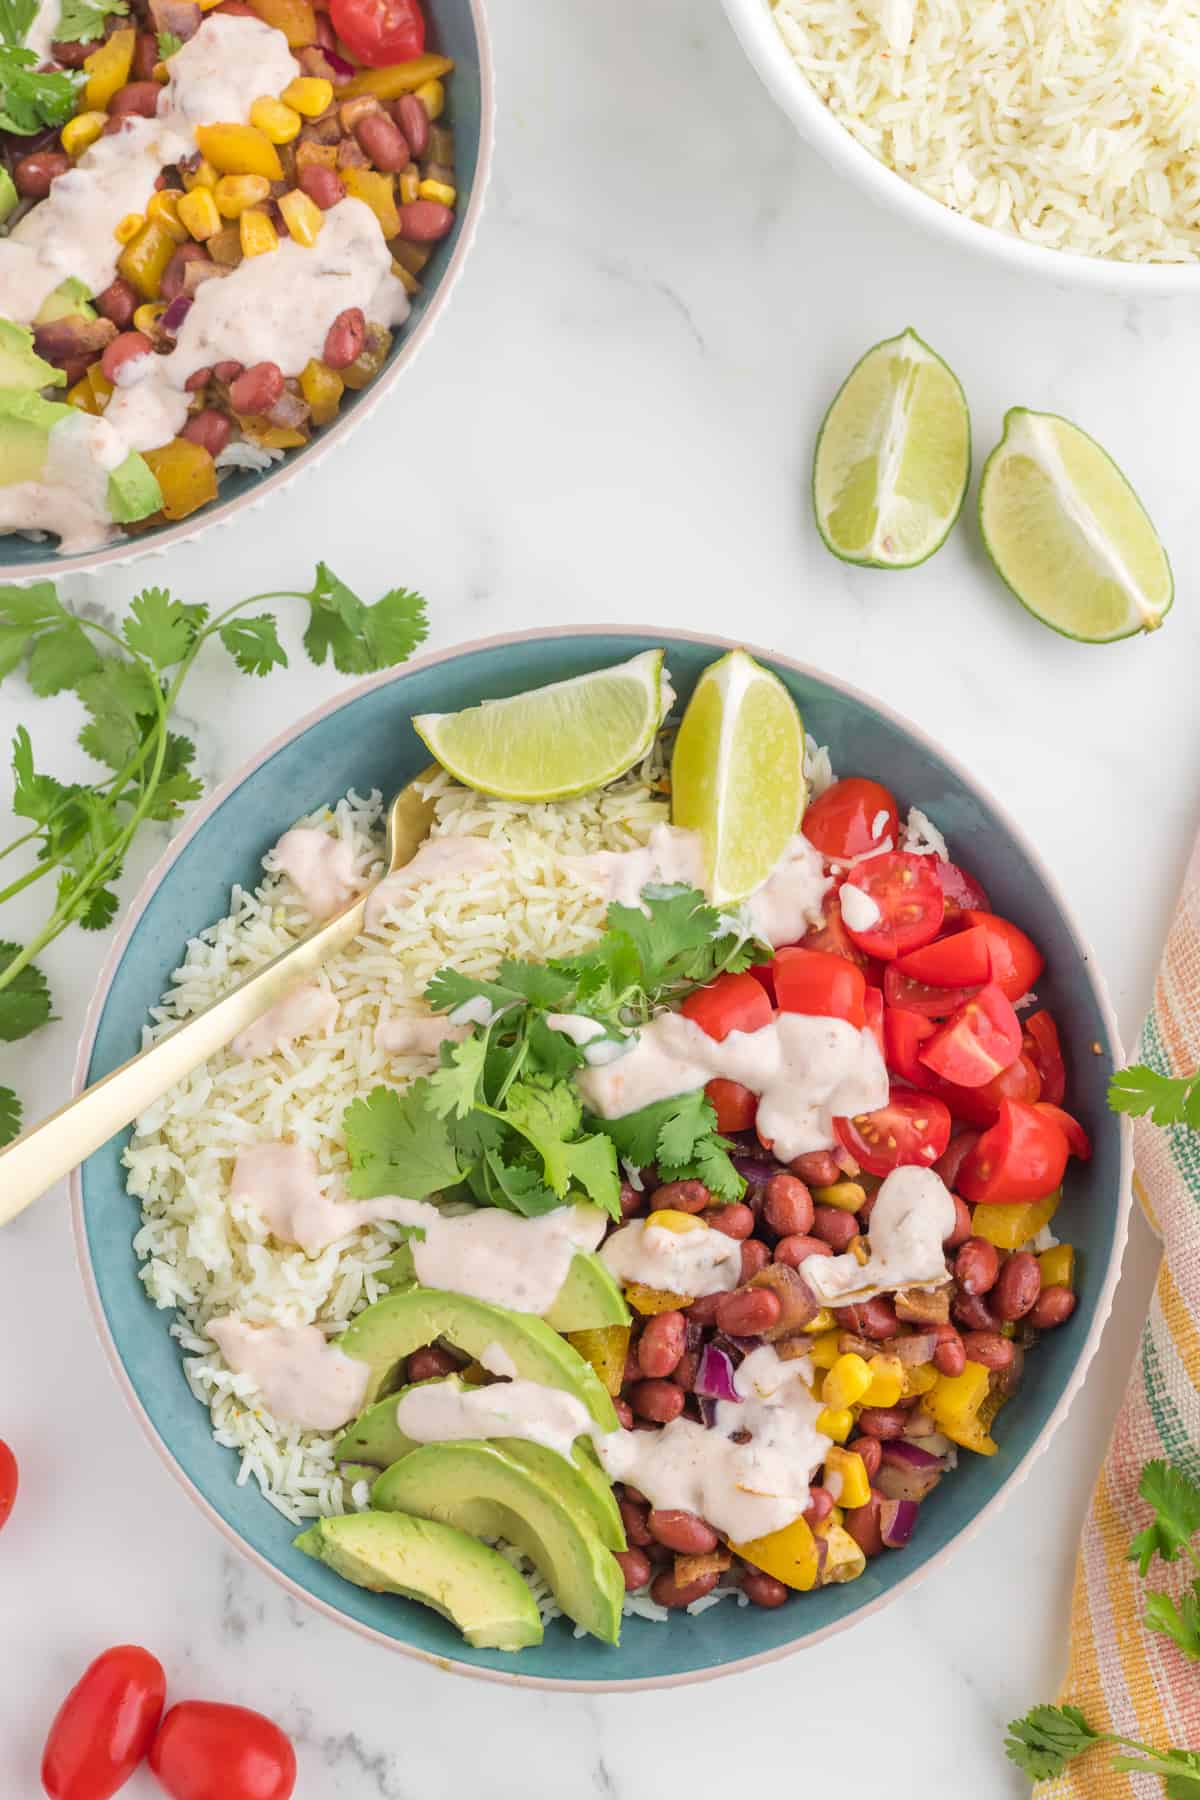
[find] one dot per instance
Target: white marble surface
(614, 422)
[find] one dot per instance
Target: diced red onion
(757, 1170)
(907, 1472)
(736, 1349)
(177, 311)
(182, 17)
(937, 1445)
(714, 1377)
(338, 64)
(912, 1351)
(896, 1521)
(909, 1456)
(919, 1424)
(845, 1161)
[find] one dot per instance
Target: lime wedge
(1069, 535)
(553, 741)
(737, 773)
(893, 457)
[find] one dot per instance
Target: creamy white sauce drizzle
(308, 1011)
(44, 29)
(912, 1217)
(791, 899)
(441, 1411)
(296, 1203)
(70, 496)
(303, 1379)
(499, 1256)
(421, 1035)
(589, 1036)
(496, 1360)
(447, 858)
(859, 911)
(319, 866)
(669, 855)
(807, 1072)
(675, 1262)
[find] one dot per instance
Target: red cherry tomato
(379, 32)
(908, 897)
(960, 960)
(1016, 960)
(981, 1040)
(734, 1105)
(206, 1751)
(851, 817)
(9, 1481)
(1078, 1141)
(1021, 1157)
(963, 893)
(873, 1009)
(764, 974)
(831, 935)
(911, 1128)
(1041, 1045)
(981, 1106)
(903, 1034)
(730, 1003)
(915, 996)
(812, 981)
(105, 1725)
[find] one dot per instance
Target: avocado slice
(383, 1334)
(589, 1298)
(482, 1490)
(133, 490)
(375, 1437)
(21, 368)
(9, 196)
(27, 422)
(70, 299)
(469, 1584)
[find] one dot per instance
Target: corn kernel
(837, 1422)
(821, 1321)
(234, 193)
(147, 315)
(308, 94)
(323, 388)
(257, 234)
(198, 213)
(667, 1219)
(203, 176)
(1058, 1266)
(859, 1251)
(164, 206)
(846, 1382)
(278, 123)
(846, 1477)
(81, 132)
(441, 191)
(432, 96)
(302, 216)
(408, 184)
(128, 228)
(848, 1196)
(160, 73)
(887, 1381)
(824, 1351)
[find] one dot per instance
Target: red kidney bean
(667, 1592)
(256, 389)
(413, 121)
(195, 383)
(227, 371)
(635, 1567)
(424, 1365)
(988, 1348)
(118, 302)
(973, 1312)
(136, 97)
(882, 1421)
(659, 1401)
(949, 1357)
(680, 1196)
(175, 273)
(835, 1227)
(962, 1225)
(123, 349)
(865, 1210)
(633, 1516)
(633, 1369)
(871, 1451)
(862, 1522)
(686, 1370)
(145, 58)
(425, 221)
(874, 1318)
(210, 429)
(787, 1206)
(662, 1344)
(748, 1311)
(761, 1589)
(384, 142)
(755, 1256)
(1017, 1286)
(70, 55)
(323, 186)
(819, 1168)
(1053, 1306)
(345, 338)
(820, 1505)
(976, 1266)
(704, 1310)
(791, 1251)
(34, 175)
(955, 1155)
(684, 1532)
(624, 1414)
(733, 1221)
(631, 1200)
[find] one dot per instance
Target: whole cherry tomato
(9, 1480)
(105, 1725)
(206, 1751)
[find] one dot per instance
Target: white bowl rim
(759, 37)
(222, 513)
(515, 1678)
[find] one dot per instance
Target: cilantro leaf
(25, 1001)
(361, 638)
(516, 1188)
(31, 606)
(176, 784)
(710, 1164)
(454, 1087)
(161, 629)
(592, 1164)
(16, 16)
(1184, 1783)
(80, 21)
(101, 909)
(397, 1145)
(120, 698)
(30, 99)
(168, 43)
(1047, 1738)
(254, 644)
(10, 1115)
(1176, 1504)
(36, 797)
(60, 658)
(448, 990)
(546, 1113)
(552, 1051)
(394, 626)
(680, 1136)
(538, 983)
(1168, 1099)
(1178, 1620)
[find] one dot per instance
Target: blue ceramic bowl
(457, 28)
(365, 740)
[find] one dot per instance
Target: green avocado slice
(382, 1335)
(469, 1584)
(589, 1299)
(482, 1490)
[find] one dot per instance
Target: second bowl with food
(681, 1217)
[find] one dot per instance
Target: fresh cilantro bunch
(129, 684)
(30, 101)
(1167, 1099)
(1049, 1737)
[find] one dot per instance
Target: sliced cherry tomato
(730, 1003)
(960, 960)
(905, 892)
(206, 1751)
(981, 1040)
(851, 817)
(380, 32)
(735, 1105)
(981, 1106)
(903, 1034)
(9, 1479)
(915, 996)
(955, 1155)
(1021, 1157)
(911, 1128)
(824, 986)
(831, 935)
(764, 974)
(873, 1011)
(1078, 1141)
(1041, 1045)
(105, 1725)
(1016, 960)
(963, 893)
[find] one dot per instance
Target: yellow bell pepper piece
(955, 1400)
(323, 388)
(199, 212)
(1008, 1227)
(847, 1195)
(844, 1561)
(107, 69)
(361, 372)
(918, 1380)
(648, 1300)
(397, 78)
(1058, 1266)
(257, 234)
(81, 395)
(432, 96)
(825, 1352)
(790, 1555)
(302, 216)
(295, 18)
(100, 385)
(81, 132)
(239, 150)
(604, 1349)
(143, 261)
(846, 1477)
(185, 473)
(164, 206)
(846, 1382)
(273, 437)
(820, 1322)
(379, 193)
(887, 1381)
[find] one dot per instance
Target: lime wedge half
(1069, 535)
(553, 741)
(737, 773)
(893, 457)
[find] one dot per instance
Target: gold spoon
(37, 1159)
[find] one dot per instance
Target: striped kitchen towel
(1124, 1678)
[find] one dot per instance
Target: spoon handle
(37, 1159)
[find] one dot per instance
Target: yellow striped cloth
(1124, 1678)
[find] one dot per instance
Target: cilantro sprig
(31, 100)
(1167, 1099)
(82, 21)
(129, 684)
(1049, 1737)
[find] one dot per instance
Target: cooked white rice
(1073, 123)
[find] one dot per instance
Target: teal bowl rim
(1015, 1476)
(222, 513)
